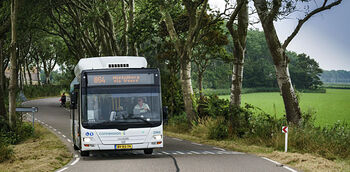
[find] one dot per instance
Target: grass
(304, 162)
(329, 107)
(43, 152)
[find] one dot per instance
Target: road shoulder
(304, 162)
(43, 152)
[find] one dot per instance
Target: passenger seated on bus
(141, 107)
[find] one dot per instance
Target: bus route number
(99, 80)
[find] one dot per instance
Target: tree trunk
(13, 61)
(187, 90)
(29, 73)
(200, 85)
(133, 51)
(20, 77)
(280, 59)
(38, 72)
(239, 37)
(2, 74)
(290, 100)
(125, 29)
(237, 79)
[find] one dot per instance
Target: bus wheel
(84, 153)
(76, 147)
(148, 151)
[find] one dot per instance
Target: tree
(4, 28)
(268, 12)
(195, 10)
(209, 47)
(13, 62)
(305, 72)
(239, 37)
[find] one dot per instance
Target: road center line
(75, 161)
(165, 152)
(63, 136)
(180, 152)
(219, 148)
(195, 152)
(69, 140)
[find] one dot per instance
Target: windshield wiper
(141, 119)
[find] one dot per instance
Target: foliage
(43, 91)
(305, 72)
(5, 151)
(335, 76)
(253, 126)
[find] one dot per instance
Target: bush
(253, 126)
(6, 151)
(178, 123)
(33, 91)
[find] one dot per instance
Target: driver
(141, 107)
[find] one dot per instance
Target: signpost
(285, 131)
(28, 109)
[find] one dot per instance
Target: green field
(329, 107)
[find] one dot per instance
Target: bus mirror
(73, 100)
(165, 114)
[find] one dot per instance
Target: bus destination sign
(120, 79)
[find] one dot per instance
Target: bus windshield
(113, 106)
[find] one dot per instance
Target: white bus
(116, 105)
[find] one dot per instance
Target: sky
(325, 37)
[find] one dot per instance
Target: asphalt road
(177, 154)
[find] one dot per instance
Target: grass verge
(42, 152)
(305, 162)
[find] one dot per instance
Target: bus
(116, 105)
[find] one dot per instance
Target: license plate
(123, 146)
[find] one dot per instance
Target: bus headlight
(157, 137)
(86, 139)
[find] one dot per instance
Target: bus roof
(109, 62)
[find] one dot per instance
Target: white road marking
(177, 139)
(75, 161)
(39, 121)
(158, 153)
(50, 126)
(208, 152)
(76, 156)
(289, 169)
(59, 132)
(174, 153)
(165, 152)
(219, 148)
(271, 161)
(54, 129)
(195, 152)
(65, 168)
(279, 164)
(197, 144)
(189, 153)
(69, 141)
(64, 136)
(180, 152)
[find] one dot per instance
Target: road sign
(284, 129)
(27, 109)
